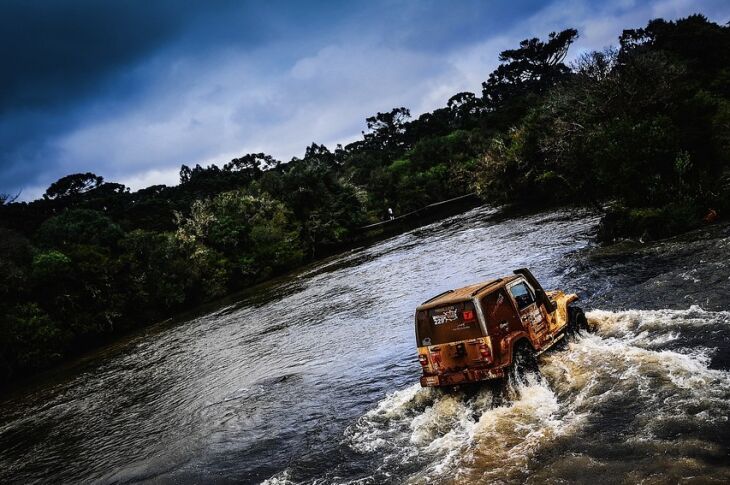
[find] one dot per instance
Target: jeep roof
(465, 293)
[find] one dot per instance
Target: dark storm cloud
(61, 55)
(56, 51)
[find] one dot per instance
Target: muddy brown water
(313, 379)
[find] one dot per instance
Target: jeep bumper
(461, 377)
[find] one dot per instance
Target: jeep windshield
(448, 323)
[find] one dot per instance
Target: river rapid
(313, 378)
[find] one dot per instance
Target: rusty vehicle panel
(472, 334)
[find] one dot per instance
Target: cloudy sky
(132, 89)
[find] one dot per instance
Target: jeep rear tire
(524, 362)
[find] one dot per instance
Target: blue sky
(132, 89)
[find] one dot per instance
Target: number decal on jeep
(447, 315)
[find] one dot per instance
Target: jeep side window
(523, 295)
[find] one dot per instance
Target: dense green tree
(464, 108)
(72, 185)
(532, 68)
(15, 259)
(155, 269)
(257, 234)
(387, 130)
(79, 226)
(29, 340)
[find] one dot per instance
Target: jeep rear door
(451, 333)
(449, 323)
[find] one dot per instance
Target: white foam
(281, 478)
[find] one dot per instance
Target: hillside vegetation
(644, 127)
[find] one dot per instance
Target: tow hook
(460, 350)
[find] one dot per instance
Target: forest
(640, 131)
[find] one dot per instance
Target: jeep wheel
(524, 362)
(577, 321)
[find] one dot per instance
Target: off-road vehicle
(480, 331)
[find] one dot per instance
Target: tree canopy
(74, 184)
(532, 68)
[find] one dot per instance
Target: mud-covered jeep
(478, 332)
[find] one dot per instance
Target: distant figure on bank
(390, 213)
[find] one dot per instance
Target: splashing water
(679, 405)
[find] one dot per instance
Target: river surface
(314, 378)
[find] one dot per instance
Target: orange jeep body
(469, 334)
